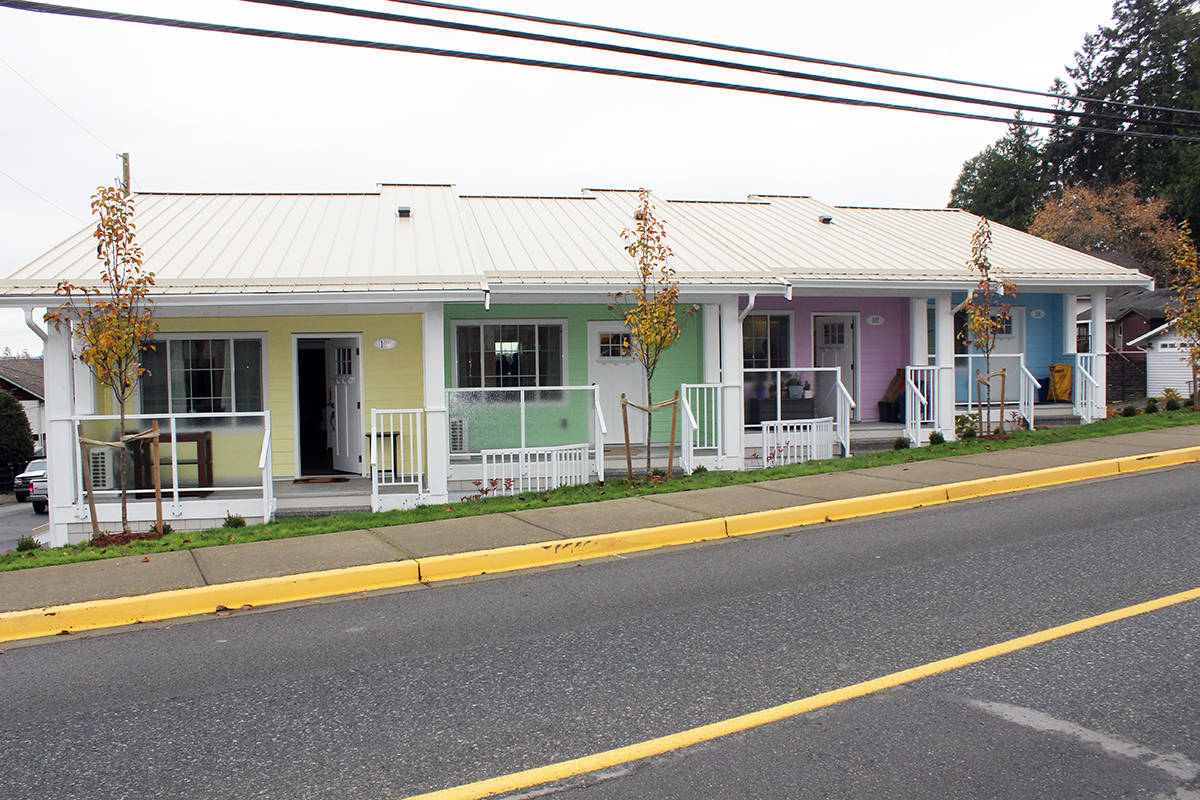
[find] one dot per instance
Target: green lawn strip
(570, 495)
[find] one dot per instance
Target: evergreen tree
(16, 437)
(1005, 182)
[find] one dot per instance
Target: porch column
(1070, 335)
(918, 332)
(60, 436)
(731, 375)
(711, 352)
(943, 320)
(437, 435)
(1099, 337)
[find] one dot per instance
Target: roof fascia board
(22, 387)
(1153, 333)
(558, 290)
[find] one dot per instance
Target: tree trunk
(649, 423)
(124, 480)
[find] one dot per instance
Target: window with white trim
(203, 376)
(509, 354)
(766, 341)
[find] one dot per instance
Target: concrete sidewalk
(130, 576)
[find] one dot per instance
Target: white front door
(833, 346)
(343, 412)
(613, 368)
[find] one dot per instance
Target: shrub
(1129, 411)
(964, 423)
(234, 520)
(1171, 394)
(700, 470)
(969, 434)
(936, 438)
(1172, 404)
(166, 529)
(1151, 406)
(901, 443)
(28, 543)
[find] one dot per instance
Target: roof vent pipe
(749, 306)
(403, 212)
(33, 326)
(825, 219)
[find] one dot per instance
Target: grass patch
(571, 495)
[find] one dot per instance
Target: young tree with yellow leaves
(112, 322)
(653, 320)
(988, 309)
(1184, 310)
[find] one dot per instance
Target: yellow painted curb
(76, 617)
(830, 510)
(1166, 458)
(540, 554)
(1034, 479)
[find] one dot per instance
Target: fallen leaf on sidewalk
(145, 559)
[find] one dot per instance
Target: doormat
(332, 479)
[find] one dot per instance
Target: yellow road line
(675, 741)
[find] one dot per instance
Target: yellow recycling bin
(1060, 384)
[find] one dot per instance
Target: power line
(64, 112)
(41, 197)
(308, 5)
(88, 13)
(777, 54)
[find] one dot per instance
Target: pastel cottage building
(384, 349)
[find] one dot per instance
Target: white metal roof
(314, 244)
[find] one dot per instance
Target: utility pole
(125, 184)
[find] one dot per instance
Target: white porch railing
(1018, 378)
(1084, 391)
(792, 441)
(827, 395)
(524, 418)
(704, 423)
(222, 443)
(534, 469)
(397, 451)
(920, 401)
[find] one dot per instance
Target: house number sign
(386, 344)
(874, 319)
(1037, 313)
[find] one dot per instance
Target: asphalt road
(17, 520)
(389, 695)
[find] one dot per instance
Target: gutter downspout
(749, 306)
(33, 326)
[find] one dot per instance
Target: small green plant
(936, 438)
(1170, 394)
(1172, 404)
(700, 470)
(966, 426)
(234, 520)
(658, 472)
(1129, 411)
(1152, 405)
(26, 543)
(901, 443)
(166, 529)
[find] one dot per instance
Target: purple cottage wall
(883, 348)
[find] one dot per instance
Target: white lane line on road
(1175, 764)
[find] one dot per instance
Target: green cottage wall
(566, 418)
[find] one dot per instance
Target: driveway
(17, 520)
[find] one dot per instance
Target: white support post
(731, 373)
(1099, 344)
(1070, 341)
(61, 447)
(711, 326)
(944, 359)
(918, 332)
(437, 433)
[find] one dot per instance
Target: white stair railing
(920, 401)
(534, 469)
(703, 422)
(1084, 391)
(1029, 387)
(845, 409)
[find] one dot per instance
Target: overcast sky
(214, 112)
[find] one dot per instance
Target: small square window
(615, 345)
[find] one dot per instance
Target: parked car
(22, 483)
(38, 496)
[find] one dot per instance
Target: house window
(615, 345)
(202, 376)
(766, 341)
(509, 354)
(833, 333)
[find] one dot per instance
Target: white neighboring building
(1167, 365)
